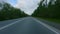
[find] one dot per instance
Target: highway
(27, 25)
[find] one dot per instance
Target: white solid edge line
(47, 26)
(10, 24)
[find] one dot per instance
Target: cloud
(28, 6)
(1, 1)
(12, 2)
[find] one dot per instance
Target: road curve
(27, 25)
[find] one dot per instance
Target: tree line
(50, 10)
(9, 12)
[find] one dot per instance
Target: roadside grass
(52, 20)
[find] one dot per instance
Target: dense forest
(50, 10)
(9, 12)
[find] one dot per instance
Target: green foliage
(9, 12)
(51, 11)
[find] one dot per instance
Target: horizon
(28, 6)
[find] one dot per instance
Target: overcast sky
(28, 6)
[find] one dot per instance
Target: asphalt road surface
(27, 25)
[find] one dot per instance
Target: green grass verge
(52, 20)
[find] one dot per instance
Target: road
(51, 23)
(27, 25)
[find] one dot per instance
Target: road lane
(27, 26)
(57, 31)
(3, 23)
(53, 24)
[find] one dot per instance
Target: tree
(52, 10)
(9, 12)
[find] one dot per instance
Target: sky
(28, 6)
